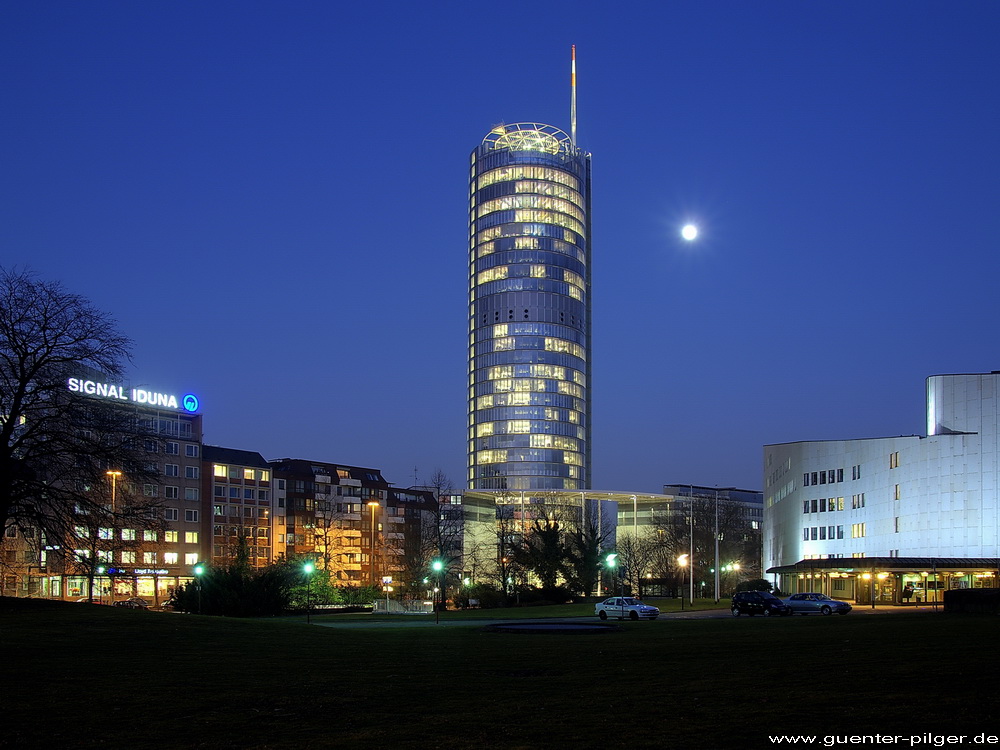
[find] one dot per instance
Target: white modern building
(897, 519)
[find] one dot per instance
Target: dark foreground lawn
(77, 675)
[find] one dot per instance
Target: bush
(547, 595)
(756, 584)
(489, 597)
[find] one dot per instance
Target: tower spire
(572, 99)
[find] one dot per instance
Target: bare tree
(57, 447)
(636, 556)
(693, 524)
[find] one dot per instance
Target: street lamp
(438, 567)
(308, 569)
(682, 560)
(716, 546)
(373, 505)
(199, 570)
(114, 474)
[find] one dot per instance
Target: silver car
(625, 606)
(804, 604)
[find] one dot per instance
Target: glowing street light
(437, 566)
(373, 505)
(308, 569)
(114, 474)
(199, 571)
(682, 560)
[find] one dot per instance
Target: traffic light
(100, 570)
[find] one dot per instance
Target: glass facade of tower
(529, 311)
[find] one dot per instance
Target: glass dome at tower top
(529, 136)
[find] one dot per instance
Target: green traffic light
(100, 570)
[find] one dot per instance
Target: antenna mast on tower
(572, 99)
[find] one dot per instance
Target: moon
(689, 232)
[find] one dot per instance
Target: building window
(894, 460)
(171, 470)
(191, 558)
(248, 494)
(896, 492)
(170, 536)
(220, 470)
(171, 493)
(149, 490)
(857, 530)
(191, 537)
(191, 472)
(128, 557)
(234, 492)
(191, 451)
(149, 558)
(191, 516)
(248, 474)
(170, 514)
(149, 535)
(172, 448)
(169, 558)
(191, 493)
(128, 535)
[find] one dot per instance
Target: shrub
(756, 584)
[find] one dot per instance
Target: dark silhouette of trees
(57, 447)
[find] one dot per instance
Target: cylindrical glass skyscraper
(529, 311)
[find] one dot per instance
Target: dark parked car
(133, 603)
(758, 603)
(805, 604)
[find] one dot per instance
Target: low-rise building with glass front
(892, 519)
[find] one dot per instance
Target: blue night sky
(271, 199)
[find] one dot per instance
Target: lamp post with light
(438, 567)
(114, 474)
(308, 569)
(373, 505)
(199, 570)
(683, 561)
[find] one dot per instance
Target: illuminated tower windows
(529, 311)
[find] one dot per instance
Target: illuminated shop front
(529, 311)
(887, 580)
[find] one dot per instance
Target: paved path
(427, 621)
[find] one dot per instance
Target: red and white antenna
(572, 99)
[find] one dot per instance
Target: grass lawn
(77, 675)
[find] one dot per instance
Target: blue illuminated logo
(190, 402)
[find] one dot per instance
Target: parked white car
(625, 606)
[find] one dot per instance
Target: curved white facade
(912, 497)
